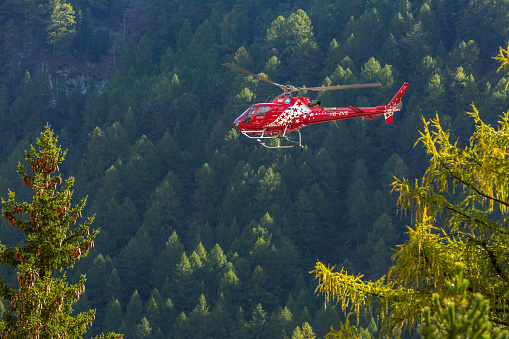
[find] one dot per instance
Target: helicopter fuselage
(289, 114)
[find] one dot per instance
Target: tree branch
(473, 188)
(491, 255)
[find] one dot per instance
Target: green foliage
(503, 59)
(149, 124)
(61, 26)
(456, 316)
(42, 305)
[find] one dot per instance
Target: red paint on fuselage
(272, 123)
(285, 115)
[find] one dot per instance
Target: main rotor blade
(328, 88)
(242, 70)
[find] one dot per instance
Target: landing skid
(279, 138)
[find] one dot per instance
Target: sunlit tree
(62, 24)
(41, 307)
(459, 209)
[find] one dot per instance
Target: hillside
(203, 232)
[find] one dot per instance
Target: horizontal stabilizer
(356, 109)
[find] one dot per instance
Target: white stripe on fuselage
(292, 115)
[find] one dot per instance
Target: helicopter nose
(236, 124)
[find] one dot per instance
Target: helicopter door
(261, 115)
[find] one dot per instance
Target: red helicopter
(286, 114)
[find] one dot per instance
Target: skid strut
(279, 137)
(284, 137)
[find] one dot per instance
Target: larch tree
(41, 307)
(460, 215)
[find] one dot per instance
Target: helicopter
(285, 114)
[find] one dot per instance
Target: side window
(251, 111)
(262, 110)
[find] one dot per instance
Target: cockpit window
(251, 111)
(262, 110)
(244, 114)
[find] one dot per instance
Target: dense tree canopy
(200, 225)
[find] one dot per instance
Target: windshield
(243, 114)
(251, 111)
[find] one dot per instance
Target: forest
(203, 232)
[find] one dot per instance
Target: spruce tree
(41, 307)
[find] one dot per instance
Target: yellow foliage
(469, 186)
(503, 59)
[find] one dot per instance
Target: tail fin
(395, 104)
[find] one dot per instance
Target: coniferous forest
(203, 232)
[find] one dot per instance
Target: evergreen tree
(458, 317)
(42, 306)
(61, 26)
(136, 260)
(182, 329)
(152, 312)
(164, 211)
(183, 281)
(217, 258)
(98, 275)
(220, 319)
(113, 315)
(280, 323)
(168, 258)
(143, 329)
(133, 313)
(304, 332)
(258, 320)
(206, 193)
(199, 318)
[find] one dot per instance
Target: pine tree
(61, 26)
(113, 315)
(307, 331)
(206, 193)
(259, 318)
(280, 323)
(42, 305)
(183, 280)
(199, 318)
(143, 329)
(133, 312)
(457, 317)
(217, 258)
(168, 259)
(153, 314)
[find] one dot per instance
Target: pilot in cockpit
(314, 103)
